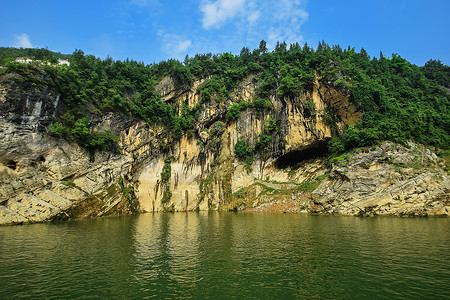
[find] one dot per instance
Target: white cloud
(182, 46)
(174, 46)
(254, 16)
(215, 14)
(250, 21)
(247, 23)
(22, 41)
(289, 16)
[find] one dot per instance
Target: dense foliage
(8, 54)
(399, 100)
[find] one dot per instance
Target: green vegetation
(129, 194)
(213, 87)
(217, 129)
(399, 100)
(271, 125)
(233, 111)
(343, 157)
(323, 176)
(68, 183)
(240, 149)
(438, 72)
(105, 140)
(308, 186)
(166, 174)
(279, 188)
(8, 55)
(446, 156)
(248, 163)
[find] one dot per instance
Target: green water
(227, 255)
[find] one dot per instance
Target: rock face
(387, 180)
(204, 170)
(44, 178)
(41, 177)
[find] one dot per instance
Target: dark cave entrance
(12, 164)
(293, 158)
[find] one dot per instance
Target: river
(227, 255)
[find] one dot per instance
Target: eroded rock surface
(44, 178)
(388, 180)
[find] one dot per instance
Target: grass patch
(68, 183)
(446, 156)
(308, 186)
(343, 157)
(323, 176)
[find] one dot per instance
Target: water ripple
(208, 255)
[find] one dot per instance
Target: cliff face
(204, 170)
(43, 178)
(386, 180)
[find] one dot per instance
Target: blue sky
(155, 30)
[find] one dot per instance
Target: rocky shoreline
(390, 179)
(387, 180)
(44, 178)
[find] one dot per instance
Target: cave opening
(293, 158)
(12, 164)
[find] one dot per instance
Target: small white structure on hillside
(27, 60)
(63, 62)
(24, 60)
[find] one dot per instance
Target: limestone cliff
(42, 177)
(387, 180)
(45, 178)
(204, 170)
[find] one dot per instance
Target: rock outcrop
(204, 170)
(44, 178)
(387, 180)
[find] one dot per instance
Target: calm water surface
(227, 255)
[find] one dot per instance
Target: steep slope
(42, 177)
(390, 179)
(107, 137)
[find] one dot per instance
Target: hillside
(223, 132)
(7, 54)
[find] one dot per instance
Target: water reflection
(206, 255)
(167, 253)
(66, 259)
(209, 254)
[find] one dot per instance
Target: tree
(437, 71)
(399, 100)
(262, 47)
(240, 149)
(280, 47)
(364, 54)
(245, 52)
(233, 112)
